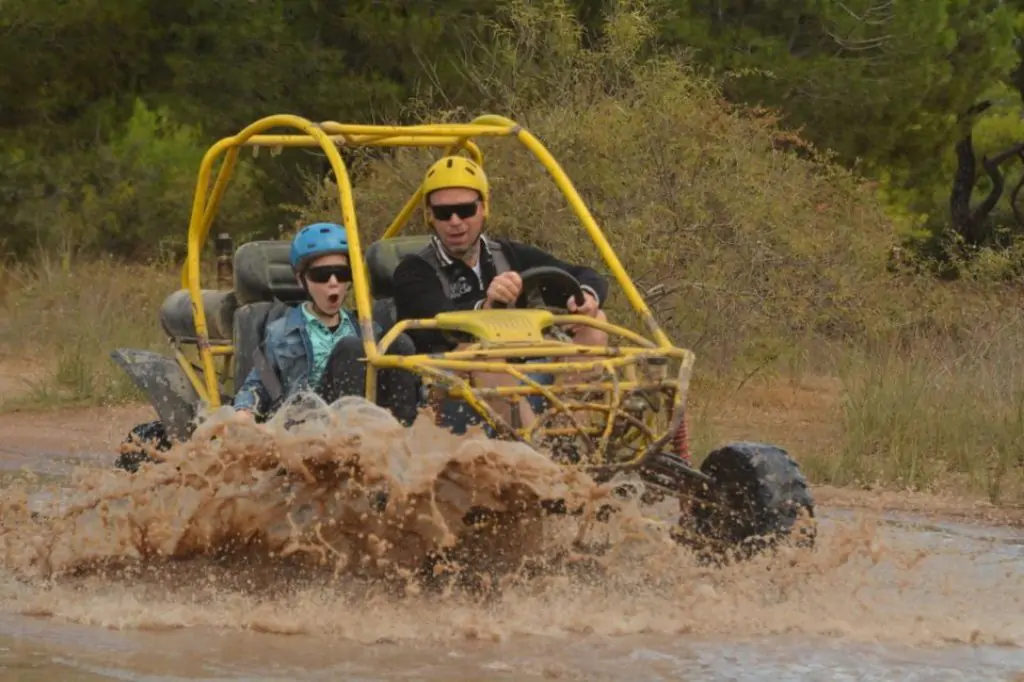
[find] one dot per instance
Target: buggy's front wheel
(757, 498)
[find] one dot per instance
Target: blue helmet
(318, 239)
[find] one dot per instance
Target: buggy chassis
(635, 413)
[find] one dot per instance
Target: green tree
(880, 83)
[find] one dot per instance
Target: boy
(317, 345)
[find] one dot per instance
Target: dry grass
(68, 317)
(928, 415)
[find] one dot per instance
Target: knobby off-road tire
(132, 454)
(758, 498)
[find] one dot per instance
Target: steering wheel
(544, 284)
(540, 285)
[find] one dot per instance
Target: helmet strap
(305, 287)
(477, 246)
(316, 308)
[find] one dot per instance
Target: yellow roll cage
(504, 333)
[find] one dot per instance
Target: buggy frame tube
(292, 140)
(198, 227)
(328, 136)
(589, 224)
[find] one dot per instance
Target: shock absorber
(682, 439)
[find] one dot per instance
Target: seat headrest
(382, 257)
(264, 273)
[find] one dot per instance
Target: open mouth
(333, 298)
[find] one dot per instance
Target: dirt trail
(48, 440)
(925, 505)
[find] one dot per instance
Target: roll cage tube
(328, 135)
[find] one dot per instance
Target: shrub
(741, 246)
(129, 196)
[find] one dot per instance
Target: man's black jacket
(418, 292)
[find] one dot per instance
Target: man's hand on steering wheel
(505, 288)
(589, 308)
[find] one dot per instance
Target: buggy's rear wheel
(758, 498)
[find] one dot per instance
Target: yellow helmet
(456, 171)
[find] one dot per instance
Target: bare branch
(884, 9)
(1015, 194)
(970, 223)
(1013, 201)
(860, 45)
(877, 15)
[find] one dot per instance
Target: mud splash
(344, 487)
(288, 531)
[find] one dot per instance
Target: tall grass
(71, 315)
(935, 412)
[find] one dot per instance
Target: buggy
(743, 494)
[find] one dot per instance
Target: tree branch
(998, 182)
(883, 9)
(1013, 198)
(967, 221)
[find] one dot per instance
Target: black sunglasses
(321, 274)
(444, 212)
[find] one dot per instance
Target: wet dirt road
(885, 596)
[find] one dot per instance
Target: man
(317, 345)
(462, 269)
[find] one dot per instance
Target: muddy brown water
(127, 578)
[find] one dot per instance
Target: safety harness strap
(429, 254)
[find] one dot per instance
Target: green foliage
(759, 248)
(130, 196)
(879, 84)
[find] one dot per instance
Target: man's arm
(418, 296)
(590, 280)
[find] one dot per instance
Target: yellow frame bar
(328, 136)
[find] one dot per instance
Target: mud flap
(166, 386)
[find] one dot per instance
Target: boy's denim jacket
(287, 348)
